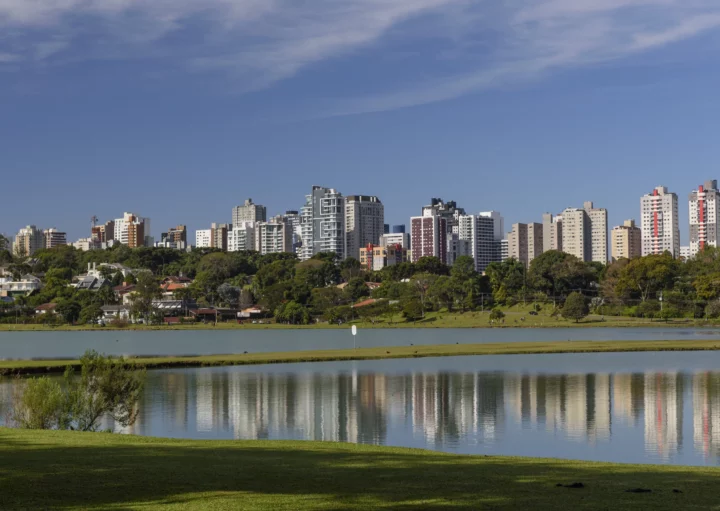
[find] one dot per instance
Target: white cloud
(260, 42)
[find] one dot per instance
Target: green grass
(9, 367)
(69, 470)
(516, 317)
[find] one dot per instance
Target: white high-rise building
(28, 240)
(322, 223)
(364, 222)
(241, 237)
(704, 217)
(585, 233)
(660, 229)
(203, 238)
(248, 213)
(395, 238)
(484, 233)
(525, 242)
(273, 237)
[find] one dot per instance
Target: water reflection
(633, 417)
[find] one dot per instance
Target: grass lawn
(9, 367)
(517, 316)
(69, 470)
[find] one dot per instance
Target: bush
(106, 387)
(713, 309)
(496, 315)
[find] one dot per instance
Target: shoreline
(26, 367)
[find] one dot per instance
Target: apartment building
(456, 247)
(449, 211)
(704, 204)
(133, 230)
(392, 239)
(484, 234)
(274, 236)
(584, 233)
(322, 223)
(626, 241)
(249, 212)
(659, 222)
(202, 238)
(375, 258)
(428, 235)
(54, 238)
(364, 222)
(241, 237)
(552, 232)
(103, 233)
(525, 242)
(28, 240)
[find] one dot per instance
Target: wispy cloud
(257, 43)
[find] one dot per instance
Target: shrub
(713, 309)
(496, 314)
(39, 403)
(575, 307)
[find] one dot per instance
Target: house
(27, 285)
(174, 307)
(46, 308)
(124, 290)
(370, 285)
(364, 303)
(91, 283)
(111, 312)
(251, 312)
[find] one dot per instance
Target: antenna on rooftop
(93, 220)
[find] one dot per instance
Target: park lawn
(517, 316)
(71, 470)
(10, 367)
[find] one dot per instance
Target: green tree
(433, 265)
(356, 289)
(146, 290)
(649, 309)
(646, 276)
(292, 313)
(463, 268)
(413, 310)
(229, 295)
(90, 314)
(507, 279)
(325, 298)
(575, 307)
(69, 310)
(496, 315)
(712, 310)
(38, 403)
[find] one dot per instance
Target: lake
(657, 407)
(45, 345)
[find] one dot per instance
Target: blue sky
(180, 109)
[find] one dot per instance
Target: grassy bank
(8, 367)
(517, 316)
(68, 470)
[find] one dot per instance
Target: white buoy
(354, 332)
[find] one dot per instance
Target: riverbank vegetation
(106, 471)
(325, 290)
(19, 367)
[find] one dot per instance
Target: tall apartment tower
(364, 222)
(322, 223)
(585, 232)
(626, 241)
(103, 233)
(525, 242)
(28, 240)
(659, 222)
(598, 218)
(704, 217)
(274, 236)
(448, 210)
(429, 236)
(54, 238)
(552, 232)
(249, 212)
(484, 233)
(133, 230)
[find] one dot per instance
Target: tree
(433, 265)
(146, 290)
(325, 298)
(90, 314)
(713, 309)
(649, 309)
(441, 292)
(463, 268)
(69, 310)
(229, 295)
(646, 276)
(292, 313)
(130, 278)
(356, 289)
(413, 310)
(575, 307)
(350, 268)
(106, 386)
(507, 279)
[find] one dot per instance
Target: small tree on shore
(575, 307)
(496, 315)
(106, 386)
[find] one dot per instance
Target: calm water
(628, 407)
(26, 345)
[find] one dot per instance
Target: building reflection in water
(441, 410)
